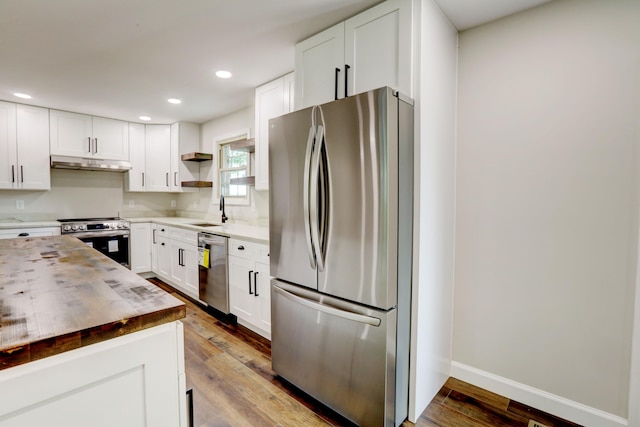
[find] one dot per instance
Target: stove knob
(83, 227)
(125, 225)
(74, 227)
(120, 225)
(66, 228)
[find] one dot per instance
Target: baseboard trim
(539, 399)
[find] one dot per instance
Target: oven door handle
(89, 234)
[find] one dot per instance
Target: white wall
(206, 200)
(547, 202)
(434, 204)
(82, 194)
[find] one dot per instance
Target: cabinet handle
(96, 147)
(162, 229)
(23, 234)
(190, 406)
(335, 84)
(13, 173)
(255, 283)
(175, 179)
(167, 178)
(250, 291)
(89, 139)
(153, 233)
(180, 263)
(162, 244)
(21, 173)
(143, 179)
(241, 248)
(346, 79)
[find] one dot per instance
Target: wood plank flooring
(229, 369)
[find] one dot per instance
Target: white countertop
(237, 231)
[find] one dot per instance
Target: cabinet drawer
(186, 236)
(29, 232)
(254, 251)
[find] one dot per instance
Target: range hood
(68, 162)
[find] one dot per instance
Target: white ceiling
(125, 58)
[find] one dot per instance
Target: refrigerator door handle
(305, 197)
(315, 211)
(356, 317)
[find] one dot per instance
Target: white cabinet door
(241, 297)
(319, 68)
(8, 164)
(33, 148)
(164, 257)
(70, 134)
(158, 157)
(135, 177)
(185, 138)
(378, 48)
(272, 100)
(110, 139)
(140, 252)
(192, 274)
(263, 295)
(154, 248)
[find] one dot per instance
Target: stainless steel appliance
(341, 202)
(109, 236)
(214, 274)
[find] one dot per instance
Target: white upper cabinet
(135, 178)
(319, 68)
(370, 50)
(79, 135)
(24, 147)
(157, 157)
(272, 100)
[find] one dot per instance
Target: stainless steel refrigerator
(340, 225)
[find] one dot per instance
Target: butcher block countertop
(57, 294)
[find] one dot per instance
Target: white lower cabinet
(134, 380)
(140, 250)
(174, 258)
(249, 285)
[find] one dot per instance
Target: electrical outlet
(533, 423)
(132, 203)
(19, 204)
(173, 203)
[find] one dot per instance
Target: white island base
(136, 380)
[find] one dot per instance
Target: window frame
(219, 143)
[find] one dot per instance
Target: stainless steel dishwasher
(214, 274)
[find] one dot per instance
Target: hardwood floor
(229, 369)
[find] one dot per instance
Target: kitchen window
(233, 164)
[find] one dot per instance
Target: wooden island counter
(84, 341)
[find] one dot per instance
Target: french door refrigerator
(340, 221)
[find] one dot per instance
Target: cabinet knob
(241, 248)
(23, 234)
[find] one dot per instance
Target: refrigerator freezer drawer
(342, 354)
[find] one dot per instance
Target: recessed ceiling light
(22, 95)
(174, 101)
(223, 74)
(145, 118)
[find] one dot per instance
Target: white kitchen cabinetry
(24, 147)
(79, 135)
(249, 285)
(134, 380)
(134, 179)
(185, 138)
(12, 233)
(157, 157)
(140, 251)
(370, 50)
(177, 258)
(272, 100)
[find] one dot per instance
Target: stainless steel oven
(109, 236)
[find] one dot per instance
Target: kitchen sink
(204, 224)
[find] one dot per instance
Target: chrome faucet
(224, 216)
